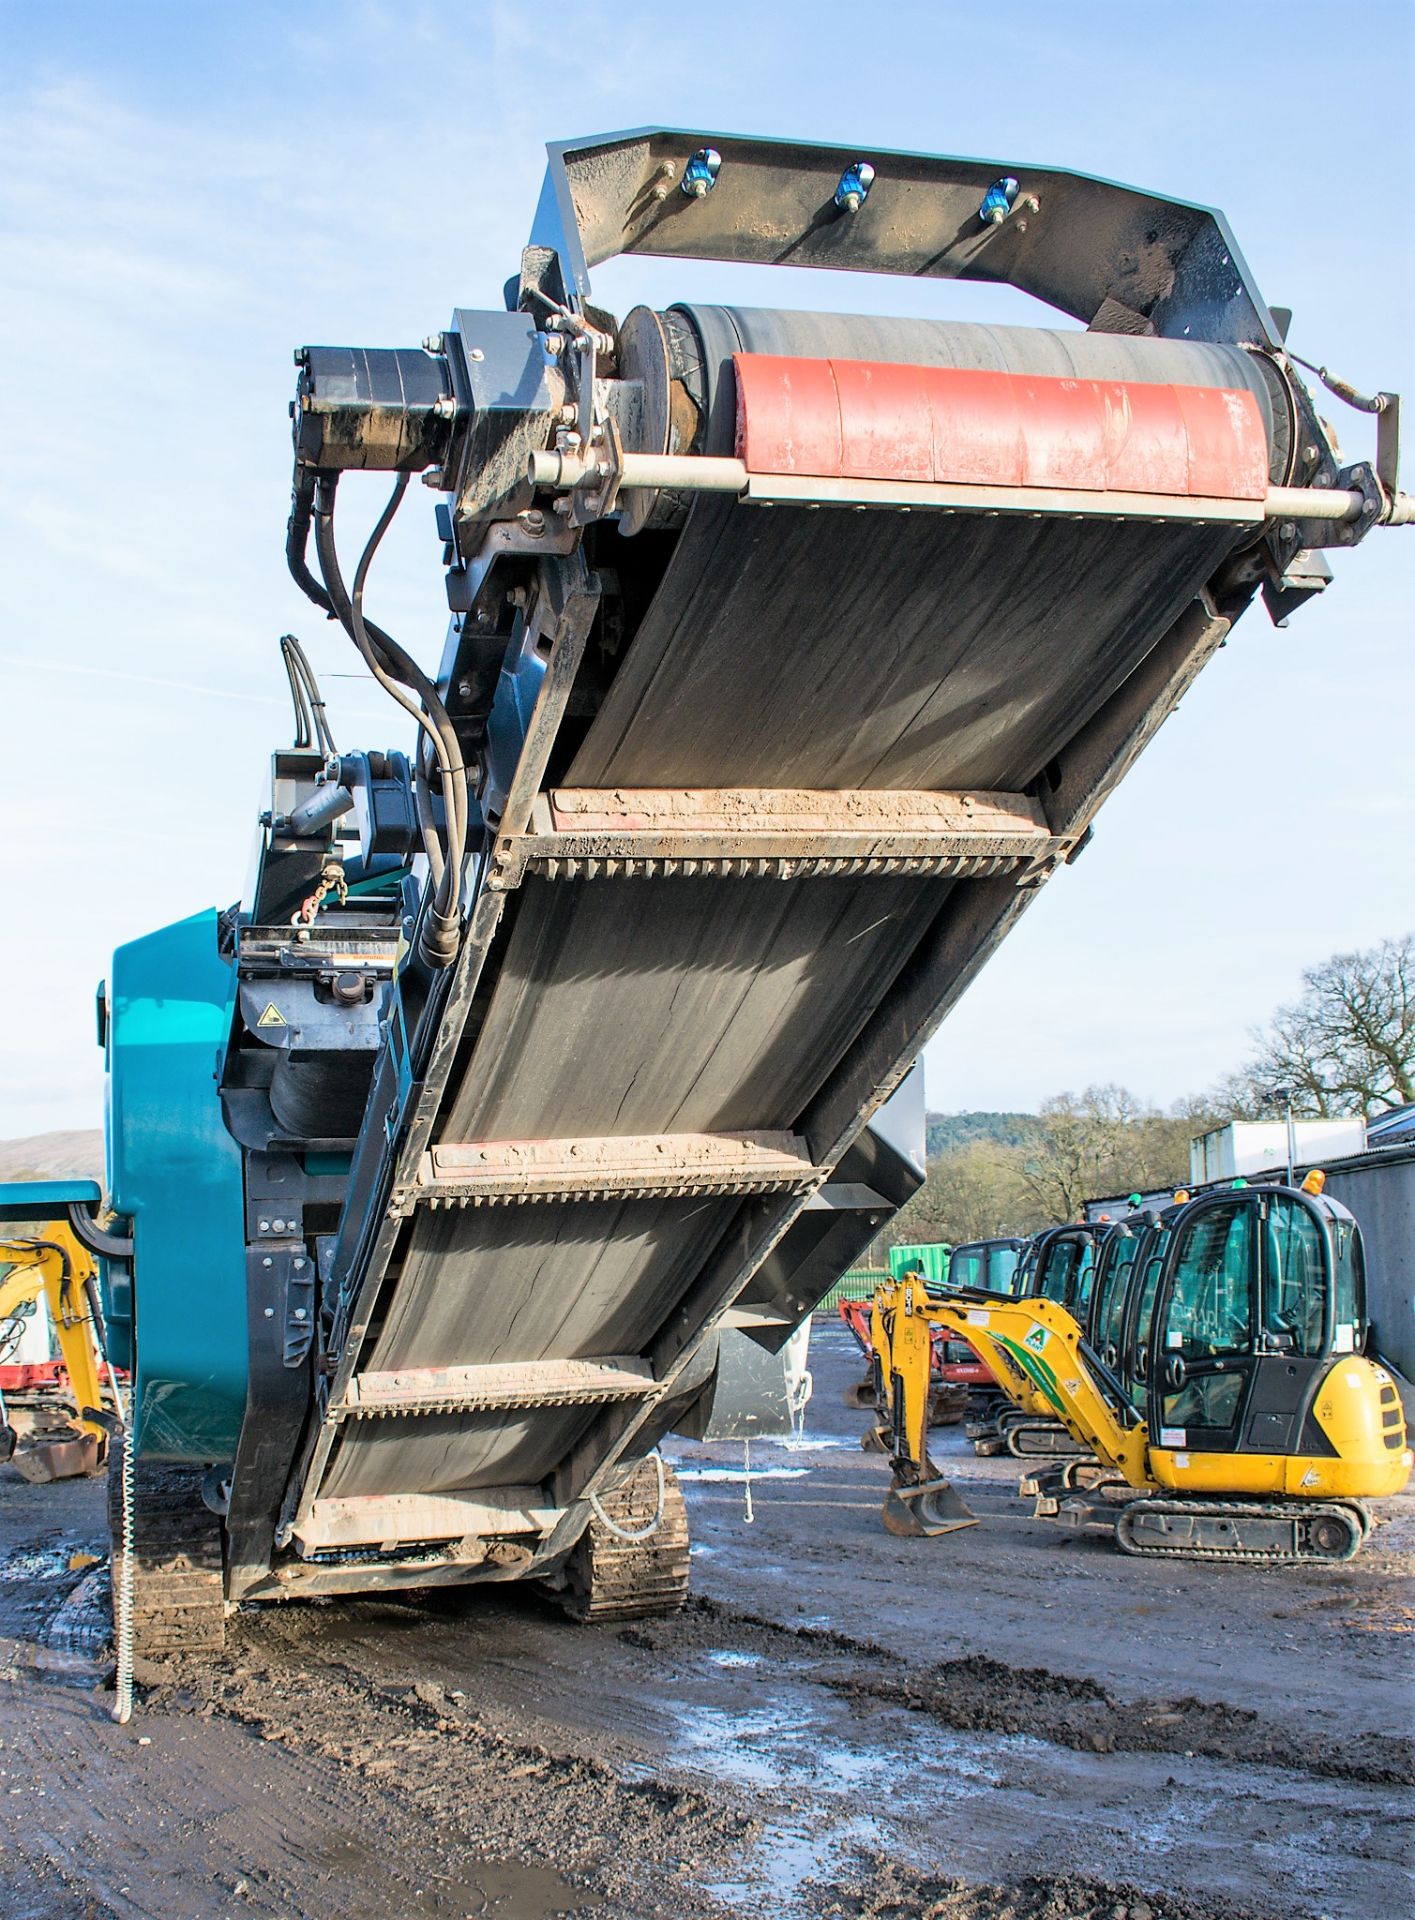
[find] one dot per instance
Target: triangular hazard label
(272, 1017)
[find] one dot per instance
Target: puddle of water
(493, 1887)
(82, 1624)
(785, 1746)
(38, 1563)
(785, 1857)
(739, 1474)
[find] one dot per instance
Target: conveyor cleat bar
(610, 1167)
(512, 1383)
(787, 833)
(360, 1520)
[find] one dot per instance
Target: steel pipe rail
(564, 472)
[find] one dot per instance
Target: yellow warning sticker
(272, 1017)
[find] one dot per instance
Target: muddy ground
(1011, 1723)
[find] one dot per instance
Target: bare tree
(1346, 1046)
(1089, 1145)
(1101, 1141)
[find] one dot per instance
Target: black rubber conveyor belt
(789, 647)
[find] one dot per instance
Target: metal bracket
(1173, 264)
(295, 1276)
(1388, 442)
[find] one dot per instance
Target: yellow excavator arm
(50, 1263)
(1034, 1351)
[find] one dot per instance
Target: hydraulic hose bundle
(400, 676)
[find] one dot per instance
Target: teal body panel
(27, 1201)
(175, 1171)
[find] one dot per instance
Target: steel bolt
(433, 477)
(476, 354)
(302, 356)
(1288, 530)
(433, 343)
(553, 343)
(270, 1313)
(267, 1261)
(533, 520)
(265, 1226)
(301, 1314)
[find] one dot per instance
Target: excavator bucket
(64, 1457)
(8, 1441)
(925, 1508)
(860, 1394)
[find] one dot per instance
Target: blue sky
(188, 191)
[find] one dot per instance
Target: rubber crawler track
(1348, 1512)
(612, 1579)
(178, 1598)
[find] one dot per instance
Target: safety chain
(331, 880)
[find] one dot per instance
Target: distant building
(1393, 1129)
(1252, 1146)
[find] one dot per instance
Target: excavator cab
(1065, 1268)
(1262, 1291)
(1059, 1265)
(986, 1266)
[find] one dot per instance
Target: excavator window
(1113, 1271)
(1210, 1309)
(1209, 1328)
(1066, 1273)
(990, 1267)
(1349, 1305)
(1294, 1280)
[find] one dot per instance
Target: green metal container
(929, 1258)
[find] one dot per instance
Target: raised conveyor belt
(839, 649)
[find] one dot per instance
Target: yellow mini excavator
(46, 1262)
(1239, 1418)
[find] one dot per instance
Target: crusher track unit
(790, 653)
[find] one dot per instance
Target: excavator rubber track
(1300, 1532)
(178, 1600)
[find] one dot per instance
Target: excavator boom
(48, 1263)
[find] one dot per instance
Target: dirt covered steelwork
(1011, 1724)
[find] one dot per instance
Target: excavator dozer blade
(926, 1508)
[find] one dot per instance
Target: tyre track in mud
(976, 1694)
(440, 1692)
(367, 1757)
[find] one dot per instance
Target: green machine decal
(1031, 1367)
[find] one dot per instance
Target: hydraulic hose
(390, 665)
(311, 718)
